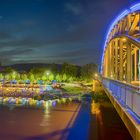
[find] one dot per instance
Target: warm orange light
(124, 39)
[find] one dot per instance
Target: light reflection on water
(45, 122)
(59, 120)
(106, 123)
(18, 101)
(46, 117)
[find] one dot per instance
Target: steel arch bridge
(120, 68)
(121, 55)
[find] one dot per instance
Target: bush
(99, 97)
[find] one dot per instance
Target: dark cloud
(7, 56)
(14, 52)
(4, 35)
(75, 9)
(55, 31)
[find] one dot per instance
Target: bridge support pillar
(135, 64)
(121, 62)
(116, 59)
(106, 63)
(109, 61)
(129, 63)
(112, 60)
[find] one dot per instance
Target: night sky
(55, 31)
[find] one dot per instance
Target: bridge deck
(128, 114)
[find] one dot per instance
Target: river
(66, 121)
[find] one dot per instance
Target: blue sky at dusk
(55, 31)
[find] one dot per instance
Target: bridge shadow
(109, 125)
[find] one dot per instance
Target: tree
(58, 78)
(64, 77)
(70, 79)
(24, 77)
(8, 70)
(88, 71)
(17, 76)
(44, 77)
(31, 77)
(37, 72)
(1, 76)
(69, 70)
(51, 77)
(54, 68)
(7, 77)
(13, 75)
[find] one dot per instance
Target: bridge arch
(121, 54)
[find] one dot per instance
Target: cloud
(5, 35)
(70, 56)
(55, 31)
(6, 57)
(75, 9)
(81, 33)
(27, 42)
(13, 52)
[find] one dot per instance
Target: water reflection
(109, 125)
(46, 116)
(50, 119)
(18, 101)
(59, 119)
(95, 108)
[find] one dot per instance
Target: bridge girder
(122, 49)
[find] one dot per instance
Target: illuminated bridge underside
(121, 68)
(121, 59)
(121, 53)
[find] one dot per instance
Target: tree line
(66, 73)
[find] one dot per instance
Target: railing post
(126, 94)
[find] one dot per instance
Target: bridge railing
(126, 94)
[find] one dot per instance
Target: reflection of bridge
(121, 67)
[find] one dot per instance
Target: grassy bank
(75, 89)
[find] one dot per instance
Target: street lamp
(96, 75)
(47, 73)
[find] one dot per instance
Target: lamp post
(96, 76)
(47, 73)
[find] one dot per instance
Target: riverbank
(66, 90)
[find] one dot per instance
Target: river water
(66, 121)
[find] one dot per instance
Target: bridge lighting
(124, 39)
(135, 7)
(132, 9)
(96, 75)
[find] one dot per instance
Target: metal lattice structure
(121, 55)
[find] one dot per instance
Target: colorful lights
(34, 103)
